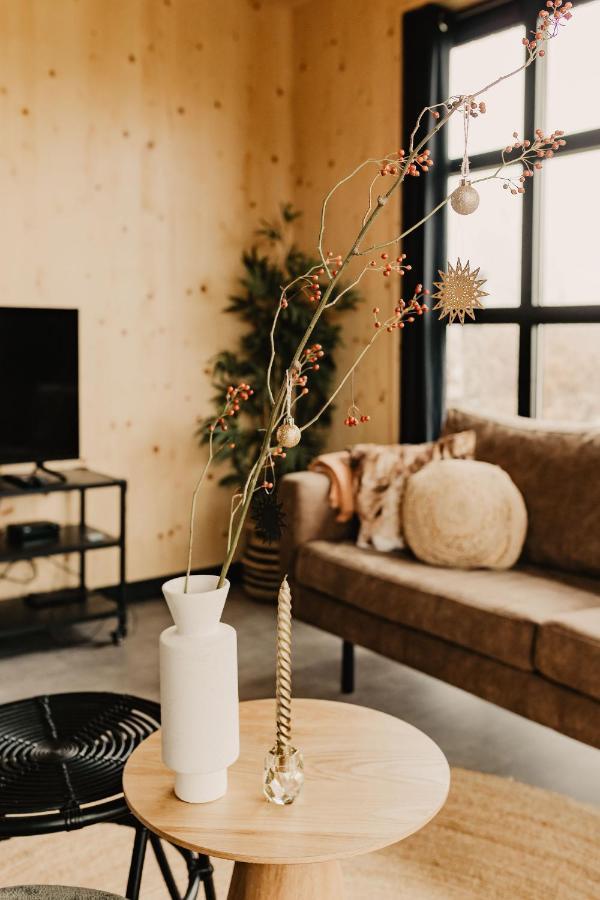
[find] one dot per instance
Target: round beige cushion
(464, 514)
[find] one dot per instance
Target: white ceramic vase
(199, 689)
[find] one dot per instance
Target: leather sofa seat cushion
(568, 650)
(491, 612)
(555, 466)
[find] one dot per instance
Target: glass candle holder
(283, 775)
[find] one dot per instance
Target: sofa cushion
(466, 514)
(568, 650)
(380, 473)
(492, 612)
(556, 469)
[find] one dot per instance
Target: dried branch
(400, 166)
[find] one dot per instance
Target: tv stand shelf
(76, 480)
(71, 539)
(69, 606)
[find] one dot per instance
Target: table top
(370, 781)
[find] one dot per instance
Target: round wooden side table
(370, 781)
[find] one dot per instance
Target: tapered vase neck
(197, 611)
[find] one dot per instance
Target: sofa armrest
(308, 516)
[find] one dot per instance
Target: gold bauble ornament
(459, 292)
(288, 434)
(465, 199)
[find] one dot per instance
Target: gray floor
(472, 733)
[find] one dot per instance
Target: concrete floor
(472, 733)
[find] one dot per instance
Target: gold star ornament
(459, 292)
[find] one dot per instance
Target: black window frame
(444, 30)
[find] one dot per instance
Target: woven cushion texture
(464, 514)
(556, 469)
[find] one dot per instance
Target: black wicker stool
(61, 765)
(54, 892)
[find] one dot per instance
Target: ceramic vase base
(200, 732)
(200, 788)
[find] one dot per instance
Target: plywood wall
(139, 143)
(347, 108)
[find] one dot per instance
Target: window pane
(490, 238)
(569, 372)
(482, 367)
(569, 252)
(574, 73)
(472, 66)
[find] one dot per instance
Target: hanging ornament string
(464, 169)
(288, 434)
(465, 199)
(289, 387)
(354, 416)
(353, 409)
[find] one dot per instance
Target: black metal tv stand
(41, 612)
(34, 480)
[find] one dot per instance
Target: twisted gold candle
(283, 682)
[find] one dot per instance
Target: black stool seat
(62, 758)
(61, 766)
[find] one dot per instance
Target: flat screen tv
(39, 418)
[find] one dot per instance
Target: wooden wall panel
(347, 108)
(140, 142)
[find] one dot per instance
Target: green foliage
(265, 272)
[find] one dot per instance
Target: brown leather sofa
(528, 638)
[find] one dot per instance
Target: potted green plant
(272, 261)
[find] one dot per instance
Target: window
(535, 349)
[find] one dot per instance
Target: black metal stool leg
(200, 869)
(137, 863)
(165, 868)
(205, 870)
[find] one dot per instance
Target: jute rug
(494, 839)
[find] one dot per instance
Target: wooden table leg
(304, 881)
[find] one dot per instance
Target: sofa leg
(347, 667)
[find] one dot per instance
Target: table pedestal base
(303, 881)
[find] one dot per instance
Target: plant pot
(261, 576)
(199, 689)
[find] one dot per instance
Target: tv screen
(38, 385)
